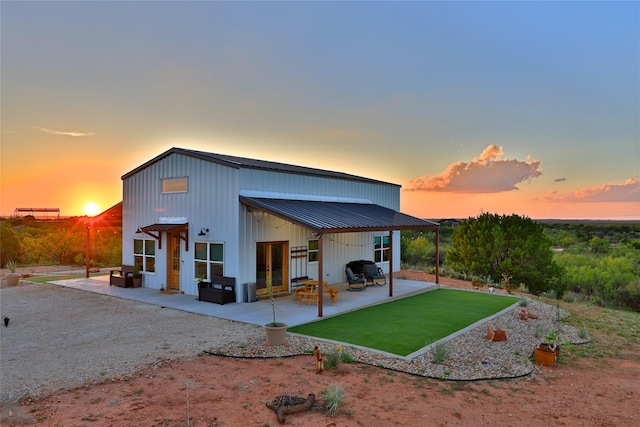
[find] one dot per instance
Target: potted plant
(275, 331)
(547, 352)
(137, 276)
(12, 278)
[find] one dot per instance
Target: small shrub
(440, 352)
(582, 333)
(346, 357)
(506, 283)
(524, 302)
(332, 360)
(333, 397)
(629, 295)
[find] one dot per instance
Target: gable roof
(246, 163)
(339, 217)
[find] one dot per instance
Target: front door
(272, 266)
(173, 262)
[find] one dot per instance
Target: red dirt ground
(219, 391)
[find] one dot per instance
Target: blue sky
(508, 107)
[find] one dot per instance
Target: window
(312, 254)
(144, 254)
(209, 260)
(381, 248)
(174, 185)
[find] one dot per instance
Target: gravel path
(60, 338)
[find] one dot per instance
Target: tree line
(59, 242)
(596, 262)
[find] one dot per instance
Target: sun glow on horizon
(91, 208)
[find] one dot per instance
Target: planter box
(13, 279)
(221, 290)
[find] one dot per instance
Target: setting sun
(91, 208)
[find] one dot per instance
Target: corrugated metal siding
(211, 202)
(339, 249)
(386, 195)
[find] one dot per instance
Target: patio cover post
(390, 263)
(320, 273)
(86, 258)
(437, 256)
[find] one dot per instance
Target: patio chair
(356, 283)
(372, 273)
(122, 278)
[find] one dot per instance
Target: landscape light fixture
(203, 231)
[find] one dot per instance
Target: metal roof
(163, 227)
(339, 217)
(246, 163)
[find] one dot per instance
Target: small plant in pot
(137, 276)
(12, 278)
(547, 352)
(275, 331)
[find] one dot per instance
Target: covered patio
(258, 313)
(329, 218)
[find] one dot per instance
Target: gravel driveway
(60, 338)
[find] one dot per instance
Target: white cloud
(629, 191)
(63, 133)
(485, 174)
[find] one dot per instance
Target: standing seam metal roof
(339, 217)
(242, 162)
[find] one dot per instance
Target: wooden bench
(221, 290)
(311, 288)
(308, 297)
(333, 292)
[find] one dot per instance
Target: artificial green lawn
(55, 278)
(406, 325)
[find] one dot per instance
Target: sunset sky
(504, 107)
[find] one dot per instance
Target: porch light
(203, 231)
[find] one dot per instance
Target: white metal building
(190, 214)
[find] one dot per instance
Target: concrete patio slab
(288, 310)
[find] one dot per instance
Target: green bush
(629, 296)
(332, 360)
(501, 246)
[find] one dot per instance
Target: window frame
(313, 253)
(174, 182)
(209, 261)
(381, 251)
(145, 257)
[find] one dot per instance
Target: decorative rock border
(471, 355)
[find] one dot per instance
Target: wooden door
(272, 266)
(173, 262)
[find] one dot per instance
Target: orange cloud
(629, 191)
(485, 174)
